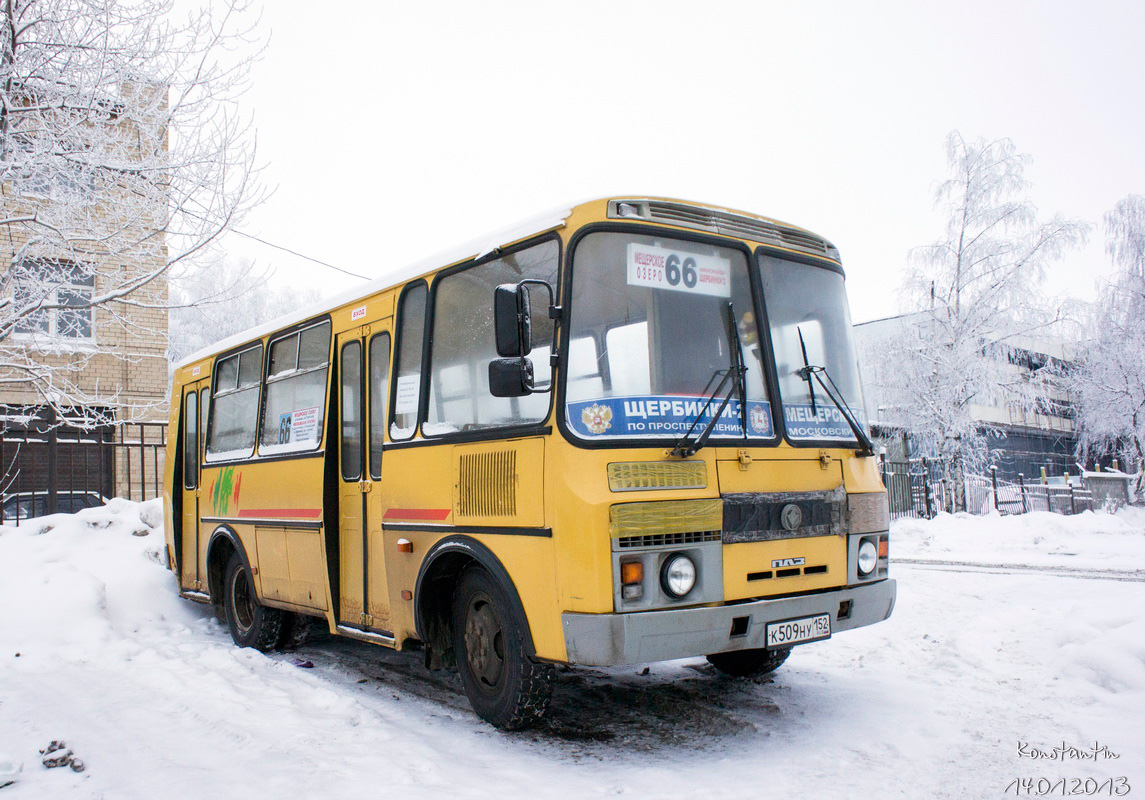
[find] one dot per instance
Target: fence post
(103, 451)
(994, 483)
(142, 463)
(125, 447)
(926, 488)
(1072, 503)
(1022, 490)
(53, 488)
(156, 491)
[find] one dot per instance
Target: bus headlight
(678, 575)
(868, 556)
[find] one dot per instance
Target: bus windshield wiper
(867, 447)
(686, 447)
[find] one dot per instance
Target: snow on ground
(97, 649)
(1086, 541)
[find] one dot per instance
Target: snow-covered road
(976, 665)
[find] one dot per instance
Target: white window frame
(84, 288)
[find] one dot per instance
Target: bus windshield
(811, 326)
(651, 340)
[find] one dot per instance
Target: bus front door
(194, 398)
(363, 369)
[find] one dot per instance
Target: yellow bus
(626, 431)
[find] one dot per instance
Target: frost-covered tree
(227, 297)
(975, 294)
(122, 156)
(1109, 377)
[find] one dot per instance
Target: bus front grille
(667, 539)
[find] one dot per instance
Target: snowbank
(1085, 541)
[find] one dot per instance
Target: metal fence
(52, 468)
(916, 488)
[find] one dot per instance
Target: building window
(53, 298)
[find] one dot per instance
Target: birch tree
(1108, 380)
(122, 158)
(975, 292)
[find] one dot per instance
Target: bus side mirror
(510, 377)
(512, 322)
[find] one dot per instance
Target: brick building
(83, 385)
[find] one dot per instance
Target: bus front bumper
(644, 636)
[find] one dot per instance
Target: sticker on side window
(407, 397)
(661, 268)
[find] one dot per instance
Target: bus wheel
(295, 632)
(251, 624)
(749, 663)
(505, 687)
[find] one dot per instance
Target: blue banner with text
(660, 415)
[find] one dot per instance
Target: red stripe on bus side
(417, 513)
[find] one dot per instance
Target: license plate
(794, 631)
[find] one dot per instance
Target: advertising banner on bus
(823, 421)
(661, 415)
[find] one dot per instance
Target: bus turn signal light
(405, 546)
(632, 572)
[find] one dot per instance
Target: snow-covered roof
(550, 220)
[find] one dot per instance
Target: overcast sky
(392, 130)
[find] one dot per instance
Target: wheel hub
(242, 601)
(484, 643)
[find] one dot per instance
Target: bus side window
(411, 335)
(351, 392)
(294, 403)
(379, 396)
(204, 409)
(191, 441)
(463, 343)
(234, 420)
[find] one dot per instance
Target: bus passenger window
(191, 441)
(379, 396)
(411, 335)
(295, 403)
(234, 414)
(351, 411)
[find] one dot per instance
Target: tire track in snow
(1020, 569)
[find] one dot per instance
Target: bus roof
(672, 212)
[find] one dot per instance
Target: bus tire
(295, 632)
(506, 688)
(251, 624)
(749, 663)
